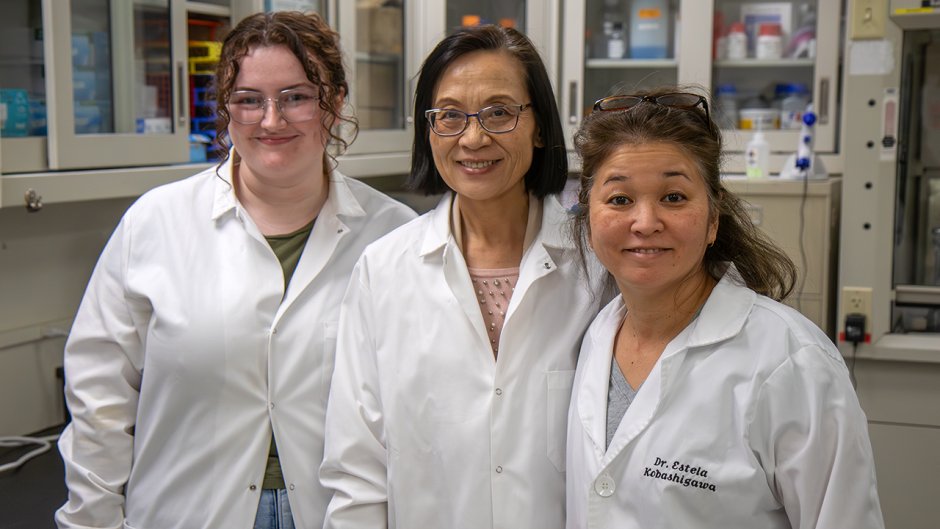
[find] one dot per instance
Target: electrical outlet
(857, 300)
(868, 19)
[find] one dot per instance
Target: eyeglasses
(496, 119)
(677, 100)
(296, 104)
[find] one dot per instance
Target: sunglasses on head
(676, 100)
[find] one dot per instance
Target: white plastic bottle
(757, 156)
(616, 45)
(737, 41)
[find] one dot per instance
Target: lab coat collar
(339, 201)
(551, 233)
(723, 316)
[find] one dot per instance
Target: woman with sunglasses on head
(199, 362)
(460, 330)
(700, 400)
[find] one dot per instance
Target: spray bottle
(757, 155)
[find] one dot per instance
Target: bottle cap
(770, 29)
(737, 27)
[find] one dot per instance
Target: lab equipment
(804, 163)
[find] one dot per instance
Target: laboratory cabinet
(802, 218)
(762, 61)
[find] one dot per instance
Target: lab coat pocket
(330, 329)
(559, 396)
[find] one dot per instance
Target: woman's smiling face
(650, 220)
(477, 164)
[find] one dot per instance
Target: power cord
(45, 444)
(854, 333)
(799, 292)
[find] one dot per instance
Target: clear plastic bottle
(757, 156)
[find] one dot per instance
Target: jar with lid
(726, 96)
(769, 42)
(793, 98)
(737, 41)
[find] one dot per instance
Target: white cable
(45, 444)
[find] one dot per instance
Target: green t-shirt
(288, 248)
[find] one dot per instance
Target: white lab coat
(186, 350)
(425, 429)
(748, 419)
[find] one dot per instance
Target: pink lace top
(494, 289)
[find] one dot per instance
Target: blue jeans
(274, 510)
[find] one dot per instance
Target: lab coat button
(274, 330)
(548, 266)
(499, 391)
(252, 488)
(499, 470)
(272, 405)
(291, 486)
(605, 486)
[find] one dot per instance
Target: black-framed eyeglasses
(496, 119)
(676, 100)
(295, 104)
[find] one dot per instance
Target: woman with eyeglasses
(700, 399)
(460, 330)
(199, 363)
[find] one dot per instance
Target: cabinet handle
(822, 109)
(573, 103)
(181, 88)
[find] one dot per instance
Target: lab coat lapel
(326, 234)
(649, 396)
(592, 391)
(545, 254)
(439, 241)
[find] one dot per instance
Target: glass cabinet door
(755, 56)
(770, 60)
(538, 19)
(118, 83)
(614, 46)
(22, 88)
(374, 40)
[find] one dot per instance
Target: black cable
(799, 292)
(852, 369)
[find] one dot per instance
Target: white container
(759, 118)
(616, 45)
(769, 42)
(737, 41)
(791, 111)
(649, 29)
(757, 157)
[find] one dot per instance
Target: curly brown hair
(763, 266)
(317, 48)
